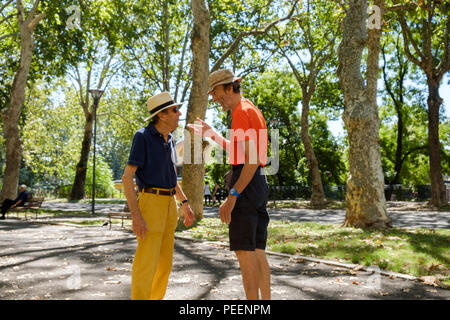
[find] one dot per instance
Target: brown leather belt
(167, 192)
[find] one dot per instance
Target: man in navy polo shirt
(152, 161)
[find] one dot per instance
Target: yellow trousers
(152, 262)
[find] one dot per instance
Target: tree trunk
(365, 203)
(317, 193)
(398, 104)
(12, 113)
(428, 61)
(193, 174)
(78, 188)
(438, 196)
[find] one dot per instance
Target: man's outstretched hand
(201, 128)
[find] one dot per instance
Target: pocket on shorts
(256, 193)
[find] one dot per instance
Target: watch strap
(234, 192)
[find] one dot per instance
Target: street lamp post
(96, 94)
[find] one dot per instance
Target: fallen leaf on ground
(297, 260)
(431, 280)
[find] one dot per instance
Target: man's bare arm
(139, 225)
(250, 167)
(188, 213)
(128, 186)
(203, 129)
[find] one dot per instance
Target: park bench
(125, 214)
(32, 203)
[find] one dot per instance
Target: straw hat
(222, 76)
(160, 102)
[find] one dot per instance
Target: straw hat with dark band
(222, 76)
(160, 102)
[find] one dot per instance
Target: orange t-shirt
(248, 124)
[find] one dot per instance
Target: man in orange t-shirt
(245, 207)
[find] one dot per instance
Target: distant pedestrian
(207, 193)
(216, 194)
(19, 201)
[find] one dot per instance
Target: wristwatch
(184, 201)
(234, 192)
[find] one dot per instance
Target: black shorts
(248, 229)
(249, 218)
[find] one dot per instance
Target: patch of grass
(85, 222)
(211, 229)
(419, 252)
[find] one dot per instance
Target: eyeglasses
(176, 109)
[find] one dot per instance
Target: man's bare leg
(264, 274)
(250, 273)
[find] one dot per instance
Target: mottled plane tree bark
(365, 202)
(193, 173)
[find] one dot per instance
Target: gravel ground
(41, 261)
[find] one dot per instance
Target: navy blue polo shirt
(22, 196)
(155, 159)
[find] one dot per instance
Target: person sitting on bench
(19, 201)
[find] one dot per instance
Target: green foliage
(104, 187)
(278, 95)
(120, 115)
(404, 95)
(151, 39)
(51, 134)
(157, 55)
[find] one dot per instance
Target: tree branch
(5, 5)
(243, 34)
(7, 18)
(20, 12)
(15, 34)
(32, 25)
(405, 33)
(401, 7)
(412, 151)
(33, 10)
(385, 78)
(444, 65)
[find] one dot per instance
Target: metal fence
(392, 193)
